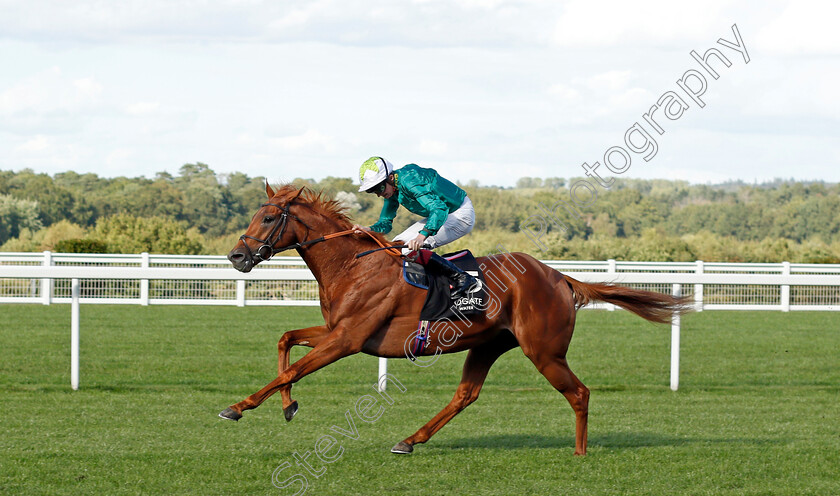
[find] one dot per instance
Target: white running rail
(145, 279)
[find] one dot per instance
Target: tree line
(199, 211)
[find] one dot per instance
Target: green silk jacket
(423, 192)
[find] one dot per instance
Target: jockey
(447, 210)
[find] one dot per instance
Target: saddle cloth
(439, 303)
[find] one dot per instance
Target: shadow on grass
(620, 440)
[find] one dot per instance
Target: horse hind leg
(545, 338)
(477, 365)
(558, 373)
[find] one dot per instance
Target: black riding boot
(461, 282)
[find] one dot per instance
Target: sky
(481, 90)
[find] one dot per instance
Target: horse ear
(298, 193)
(268, 190)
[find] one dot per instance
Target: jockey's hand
(358, 229)
(416, 243)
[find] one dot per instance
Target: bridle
(267, 250)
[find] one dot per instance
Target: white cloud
(432, 147)
(805, 27)
(609, 81)
(479, 4)
(308, 140)
(244, 139)
(118, 158)
(564, 93)
(87, 88)
(293, 19)
(142, 108)
(34, 145)
(469, 85)
(587, 23)
(48, 91)
(584, 99)
(631, 99)
(441, 23)
(29, 92)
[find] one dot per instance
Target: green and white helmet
(374, 171)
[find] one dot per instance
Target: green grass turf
(756, 413)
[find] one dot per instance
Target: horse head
(273, 228)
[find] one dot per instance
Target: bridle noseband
(267, 249)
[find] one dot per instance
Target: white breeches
(458, 223)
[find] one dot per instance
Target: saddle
(439, 303)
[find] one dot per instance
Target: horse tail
(655, 307)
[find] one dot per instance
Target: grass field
(757, 411)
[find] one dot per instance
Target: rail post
(144, 283)
(46, 283)
(698, 288)
(240, 293)
(383, 369)
(74, 334)
(675, 344)
(785, 303)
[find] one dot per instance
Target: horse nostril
(236, 257)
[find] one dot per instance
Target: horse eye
(268, 219)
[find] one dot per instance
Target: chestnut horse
(368, 309)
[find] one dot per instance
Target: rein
(267, 249)
(389, 248)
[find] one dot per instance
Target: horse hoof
(290, 411)
(402, 448)
(230, 414)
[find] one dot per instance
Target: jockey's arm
(386, 217)
(437, 212)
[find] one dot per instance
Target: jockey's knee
(420, 256)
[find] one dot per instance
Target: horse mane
(321, 203)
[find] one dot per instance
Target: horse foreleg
(478, 363)
(310, 337)
(331, 348)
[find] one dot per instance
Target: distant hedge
(81, 246)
